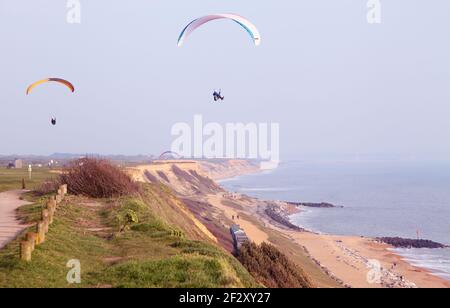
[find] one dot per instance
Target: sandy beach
(355, 262)
(350, 260)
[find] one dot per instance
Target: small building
(239, 237)
(18, 164)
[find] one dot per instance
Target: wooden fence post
(40, 230)
(32, 238)
(46, 224)
(50, 217)
(51, 206)
(45, 219)
(25, 251)
(44, 214)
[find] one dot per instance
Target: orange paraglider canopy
(59, 80)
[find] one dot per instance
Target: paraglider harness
(218, 96)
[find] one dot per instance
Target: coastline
(405, 275)
(349, 261)
(406, 250)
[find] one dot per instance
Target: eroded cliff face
(189, 178)
(215, 210)
(191, 181)
(219, 170)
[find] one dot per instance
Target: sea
(406, 199)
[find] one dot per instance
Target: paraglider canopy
(170, 155)
(58, 80)
(242, 21)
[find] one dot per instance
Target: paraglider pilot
(218, 96)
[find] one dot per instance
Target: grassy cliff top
(11, 179)
(122, 242)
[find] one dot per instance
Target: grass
(185, 271)
(11, 179)
(149, 253)
(147, 241)
(64, 242)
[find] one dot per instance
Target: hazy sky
(336, 84)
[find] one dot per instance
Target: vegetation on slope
(97, 178)
(148, 253)
(271, 267)
(145, 240)
(130, 235)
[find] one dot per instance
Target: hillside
(217, 209)
(166, 231)
(145, 239)
(165, 248)
(187, 177)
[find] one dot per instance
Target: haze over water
(379, 199)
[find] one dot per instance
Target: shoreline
(386, 249)
(404, 248)
(331, 260)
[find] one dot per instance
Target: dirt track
(9, 225)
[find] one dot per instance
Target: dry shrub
(97, 178)
(271, 267)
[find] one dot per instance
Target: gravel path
(10, 227)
